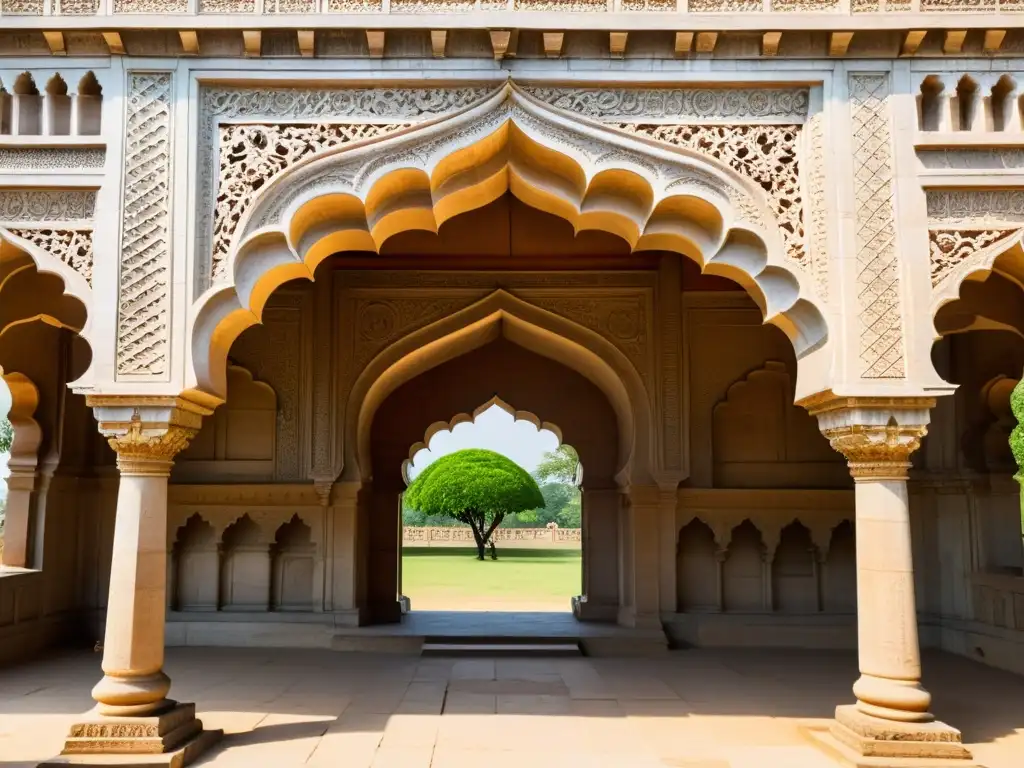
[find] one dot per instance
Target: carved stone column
(133, 714)
(890, 720)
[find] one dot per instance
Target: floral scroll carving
(948, 249)
(71, 246)
(47, 205)
(878, 280)
(765, 154)
(252, 155)
(222, 107)
(142, 326)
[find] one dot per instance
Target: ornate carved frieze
(71, 246)
(878, 278)
(765, 154)
(46, 205)
(227, 6)
(150, 6)
(881, 6)
(51, 158)
(680, 105)
(975, 207)
(949, 249)
(77, 7)
(995, 158)
(221, 106)
(142, 327)
(252, 155)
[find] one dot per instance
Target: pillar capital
(877, 435)
(147, 432)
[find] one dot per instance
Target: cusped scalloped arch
(469, 418)
(356, 196)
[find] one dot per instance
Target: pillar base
(172, 737)
(861, 741)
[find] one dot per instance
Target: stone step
(500, 646)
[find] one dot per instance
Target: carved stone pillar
(639, 546)
(133, 714)
(890, 720)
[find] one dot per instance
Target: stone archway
(356, 196)
(497, 364)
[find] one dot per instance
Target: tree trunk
(478, 537)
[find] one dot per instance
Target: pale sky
(495, 429)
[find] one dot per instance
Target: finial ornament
(149, 451)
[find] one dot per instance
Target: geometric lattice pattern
(143, 314)
(878, 279)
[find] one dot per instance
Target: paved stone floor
(689, 709)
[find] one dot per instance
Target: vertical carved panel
(819, 261)
(670, 321)
(143, 325)
(878, 280)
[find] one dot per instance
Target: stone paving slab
(688, 709)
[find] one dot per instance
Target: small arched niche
(239, 440)
(930, 104)
(89, 106)
(6, 111)
(195, 558)
(28, 106)
(1004, 107)
(294, 556)
(967, 98)
(743, 587)
(794, 571)
(697, 569)
(245, 575)
(58, 107)
(839, 581)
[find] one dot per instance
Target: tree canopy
(560, 465)
(476, 487)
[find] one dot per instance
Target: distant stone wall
(438, 535)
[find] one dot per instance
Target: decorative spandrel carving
(47, 205)
(949, 249)
(622, 320)
(51, 158)
(878, 278)
(666, 105)
(252, 155)
(142, 327)
(379, 322)
(70, 246)
(221, 106)
(765, 154)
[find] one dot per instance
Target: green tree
(6, 435)
(1017, 440)
(476, 487)
(560, 465)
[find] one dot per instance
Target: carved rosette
(145, 451)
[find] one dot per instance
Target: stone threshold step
(501, 649)
(486, 639)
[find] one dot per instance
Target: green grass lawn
(452, 579)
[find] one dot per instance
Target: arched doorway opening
(535, 383)
(979, 324)
(58, 463)
(446, 566)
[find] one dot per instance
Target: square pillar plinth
(172, 737)
(862, 741)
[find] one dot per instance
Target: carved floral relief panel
(144, 304)
(58, 222)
